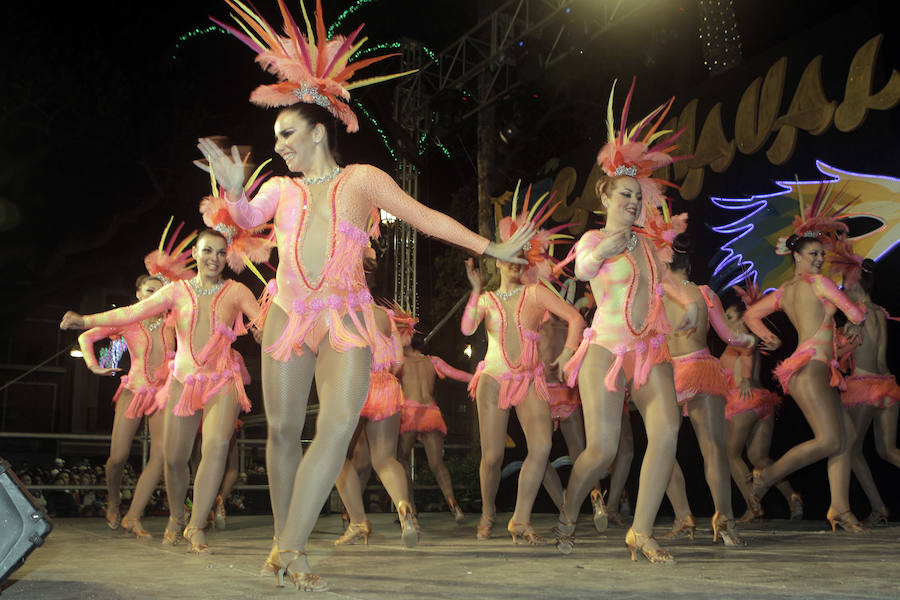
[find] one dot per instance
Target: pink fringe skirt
(422, 418)
(563, 402)
(698, 373)
(636, 362)
(802, 356)
(385, 397)
(762, 401)
(880, 391)
(513, 385)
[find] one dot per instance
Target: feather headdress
(403, 321)
(821, 219)
(749, 293)
(172, 261)
(846, 263)
(245, 246)
(662, 227)
(539, 252)
(641, 150)
(310, 68)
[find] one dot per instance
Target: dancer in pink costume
(422, 417)
(151, 345)
(750, 410)
(320, 315)
(207, 383)
(872, 394)
(811, 375)
(626, 342)
(701, 388)
(512, 374)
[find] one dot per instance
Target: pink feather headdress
(172, 261)
(538, 253)
(310, 68)
(749, 293)
(662, 228)
(846, 263)
(821, 219)
(245, 246)
(628, 152)
(403, 321)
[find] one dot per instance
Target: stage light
(386, 217)
(76, 353)
(468, 351)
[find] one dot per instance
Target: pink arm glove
(472, 315)
(156, 304)
(825, 288)
(444, 370)
(586, 266)
(720, 323)
(87, 339)
(253, 213)
(758, 311)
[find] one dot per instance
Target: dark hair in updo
(606, 182)
(682, 248)
(418, 342)
(867, 276)
(142, 279)
(797, 243)
(314, 114)
(209, 232)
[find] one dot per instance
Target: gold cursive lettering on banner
(757, 110)
(858, 98)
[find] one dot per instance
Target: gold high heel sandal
(456, 512)
(134, 526)
(271, 565)
(409, 528)
(846, 520)
(601, 515)
(638, 542)
(615, 518)
(219, 513)
(686, 526)
(484, 529)
(876, 517)
(171, 537)
(524, 531)
(757, 492)
(305, 581)
(564, 532)
(193, 547)
(723, 527)
(796, 504)
(354, 532)
(113, 521)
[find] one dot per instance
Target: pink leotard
(150, 353)
(204, 361)
(821, 346)
(512, 357)
(316, 303)
(614, 283)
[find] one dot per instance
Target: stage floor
(83, 559)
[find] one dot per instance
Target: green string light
(194, 33)
(378, 128)
(347, 12)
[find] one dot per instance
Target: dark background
(101, 104)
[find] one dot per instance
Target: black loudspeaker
(24, 525)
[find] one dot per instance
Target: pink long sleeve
(386, 194)
(565, 311)
(253, 213)
(87, 339)
(472, 314)
(586, 266)
(444, 370)
(720, 323)
(759, 310)
(825, 288)
(156, 304)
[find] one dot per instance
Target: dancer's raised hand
(71, 320)
(510, 250)
(228, 169)
(473, 275)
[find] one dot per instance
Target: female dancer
(701, 389)
(872, 392)
(151, 345)
(207, 375)
(750, 411)
(512, 374)
(381, 415)
(810, 375)
(422, 417)
(321, 320)
(625, 344)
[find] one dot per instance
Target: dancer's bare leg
(534, 416)
(382, 437)
(152, 472)
(119, 449)
(885, 429)
(833, 438)
(405, 446)
(739, 429)
(231, 469)
(492, 422)
(621, 467)
(434, 450)
(553, 484)
(342, 381)
(350, 489)
(572, 429)
(178, 444)
(707, 415)
(862, 415)
(676, 492)
(602, 411)
(219, 417)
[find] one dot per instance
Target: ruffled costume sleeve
(720, 323)
(586, 266)
(444, 370)
(253, 213)
(565, 311)
(156, 304)
(386, 194)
